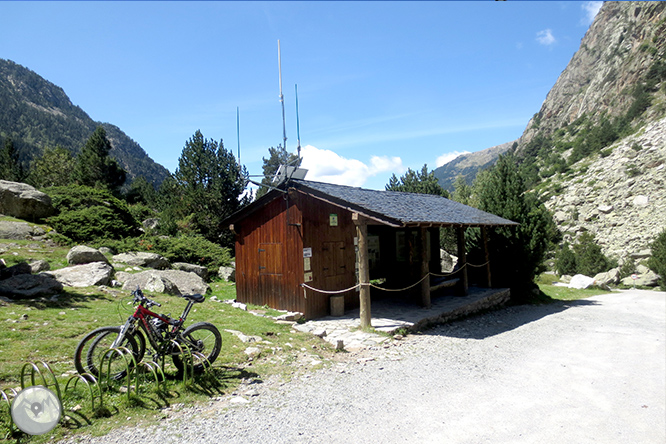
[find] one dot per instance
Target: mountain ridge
(37, 114)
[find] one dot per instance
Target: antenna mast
(238, 132)
(284, 130)
(298, 126)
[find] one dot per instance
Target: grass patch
(49, 330)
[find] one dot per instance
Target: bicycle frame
(143, 314)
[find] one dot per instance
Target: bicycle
(167, 337)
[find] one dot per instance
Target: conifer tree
(278, 156)
(94, 167)
(53, 169)
(422, 182)
(10, 167)
(208, 186)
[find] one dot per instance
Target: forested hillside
(36, 114)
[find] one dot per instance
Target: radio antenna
(238, 132)
(284, 129)
(298, 126)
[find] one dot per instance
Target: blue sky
(382, 86)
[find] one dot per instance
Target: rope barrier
(389, 289)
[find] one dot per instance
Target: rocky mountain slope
(616, 53)
(597, 147)
(468, 165)
(37, 114)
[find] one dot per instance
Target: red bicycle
(166, 336)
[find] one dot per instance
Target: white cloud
(327, 166)
(448, 157)
(546, 37)
(591, 10)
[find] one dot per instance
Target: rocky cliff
(616, 53)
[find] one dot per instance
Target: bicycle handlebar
(139, 298)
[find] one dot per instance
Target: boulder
(39, 266)
(82, 254)
(191, 268)
(581, 281)
(610, 277)
(227, 273)
(85, 275)
(14, 270)
(149, 281)
(142, 259)
(23, 201)
(15, 230)
(185, 283)
(649, 279)
(150, 224)
(25, 286)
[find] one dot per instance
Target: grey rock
(191, 268)
(14, 270)
(649, 279)
(227, 273)
(39, 266)
(15, 230)
(142, 259)
(30, 286)
(85, 275)
(581, 281)
(611, 277)
(151, 223)
(184, 282)
(82, 254)
(24, 201)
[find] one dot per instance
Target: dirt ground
(589, 371)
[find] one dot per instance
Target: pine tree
(53, 169)
(94, 167)
(208, 186)
(422, 182)
(278, 156)
(10, 167)
(517, 253)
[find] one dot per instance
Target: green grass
(52, 329)
(551, 293)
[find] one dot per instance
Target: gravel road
(586, 371)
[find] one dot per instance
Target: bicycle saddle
(195, 297)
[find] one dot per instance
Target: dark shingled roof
(398, 208)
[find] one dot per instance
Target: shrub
(590, 260)
(86, 214)
(657, 261)
(191, 249)
(565, 260)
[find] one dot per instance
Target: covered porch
(391, 316)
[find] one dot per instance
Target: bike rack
(35, 368)
(187, 359)
(153, 367)
(124, 353)
(86, 378)
(5, 397)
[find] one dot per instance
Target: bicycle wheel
(84, 346)
(113, 362)
(203, 339)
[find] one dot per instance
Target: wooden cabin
(306, 242)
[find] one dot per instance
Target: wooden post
(462, 259)
(425, 268)
(363, 270)
(484, 234)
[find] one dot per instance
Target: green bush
(191, 249)
(657, 261)
(590, 260)
(565, 260)
(86, 214)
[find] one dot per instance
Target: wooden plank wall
(333, 261)
(269, 257)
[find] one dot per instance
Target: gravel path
(588, 371)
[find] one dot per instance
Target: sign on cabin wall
(333, 220)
